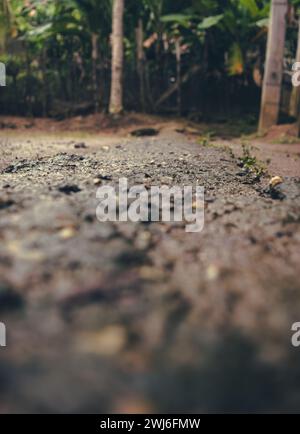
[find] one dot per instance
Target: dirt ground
(144, 317)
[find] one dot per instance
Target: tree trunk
(45, 87)
(178, 74)
(274, 65)
(140, 62)
(95, 55)
(28, 97)
(295, 95)
(116, 93)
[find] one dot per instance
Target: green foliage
(226, 37)
(6, 18)
(251, 164)
(209, 22)
(182, 20)
(251, 6)
(235, 60)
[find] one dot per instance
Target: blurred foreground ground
(124, 317)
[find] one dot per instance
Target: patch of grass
(251, 164)
(242, 127)
(206, 139)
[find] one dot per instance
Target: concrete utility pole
(116, 93)
(294, 102)
(271, 92)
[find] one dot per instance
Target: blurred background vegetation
(58, 56)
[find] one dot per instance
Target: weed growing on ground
(250, 163)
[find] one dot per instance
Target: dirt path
(125, 317)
